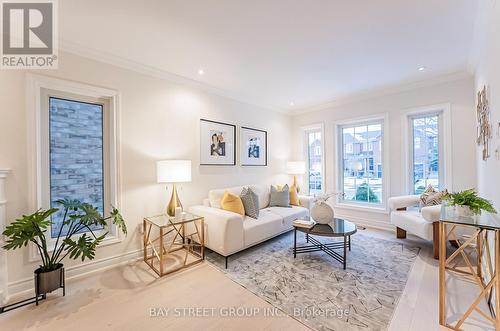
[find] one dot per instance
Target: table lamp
(296, 168)
(172, 172)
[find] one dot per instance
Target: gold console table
(482, 271)
(165, 237)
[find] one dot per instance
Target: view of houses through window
(361, 162)
(425, 152)
(314, 157)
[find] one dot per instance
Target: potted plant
(77, 217)
(468, 203)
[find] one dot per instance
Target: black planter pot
(48, 281)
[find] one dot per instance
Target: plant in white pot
(468, 203)
(78, 217)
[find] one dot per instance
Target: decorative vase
(322, 213)
(48, 281)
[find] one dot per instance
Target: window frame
(39, 89)
(319, 127)
(382, 119)
(445, 143)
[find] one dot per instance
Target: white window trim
(35, 85)
(383, 207)
(447, 142)
(304, 130)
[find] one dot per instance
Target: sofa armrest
(403, 201)
(431, 213)
(223, 229)
(306, 201)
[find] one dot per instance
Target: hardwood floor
(122, 299)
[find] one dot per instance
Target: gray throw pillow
(280, 198)
(250, 202)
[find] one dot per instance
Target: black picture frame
(243, 148)
(204, 158)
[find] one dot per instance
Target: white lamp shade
(296, 167)
(173, 171)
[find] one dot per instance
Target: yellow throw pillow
(232, 202)
(294, 196)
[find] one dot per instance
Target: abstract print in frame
(253, 147)
(217, 143)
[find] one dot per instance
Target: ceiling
(272, 53)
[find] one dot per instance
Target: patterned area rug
(314, 289)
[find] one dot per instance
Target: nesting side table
(172, 244)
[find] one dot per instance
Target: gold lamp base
(174, 202)
(295, 183)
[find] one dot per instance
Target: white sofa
(227, 233)
(423, 223)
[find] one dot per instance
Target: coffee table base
(327, 248)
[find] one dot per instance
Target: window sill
(381, 209)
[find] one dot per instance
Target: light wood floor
(121, 299)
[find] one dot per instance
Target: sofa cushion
(232, 202)
(413, 222)
(215, 196)
(251, 202)
(289, 214)
(280, 198)
(263, 192)
(266, 226)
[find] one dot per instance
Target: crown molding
(389, 90)
(118, 61)
(121, 62)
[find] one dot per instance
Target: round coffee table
(336, 228)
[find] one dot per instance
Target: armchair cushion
(403, 201)
(413, 222)
(431, 213)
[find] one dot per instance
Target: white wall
(488, 73)
(459, 94)
(159, 120)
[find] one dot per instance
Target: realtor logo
(29, 35)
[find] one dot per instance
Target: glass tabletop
(336, 228)
(166, 220)
(489, 221)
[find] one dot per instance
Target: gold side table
(172, 244)
(485, 273)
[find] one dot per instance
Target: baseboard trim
(23, 286)
(367, 222)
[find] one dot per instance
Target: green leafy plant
(365, 193)
(78, 217)
(470, 199)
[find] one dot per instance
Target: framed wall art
(217, 143)
(253, 147)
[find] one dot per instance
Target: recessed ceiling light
(292, 104)
(421, 68)
(201, 72)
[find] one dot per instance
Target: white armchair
(423, 223)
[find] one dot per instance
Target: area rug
(314, 289)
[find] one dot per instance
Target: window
(360, 171)
(77, 153)
(425, 151)
(314, 146)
